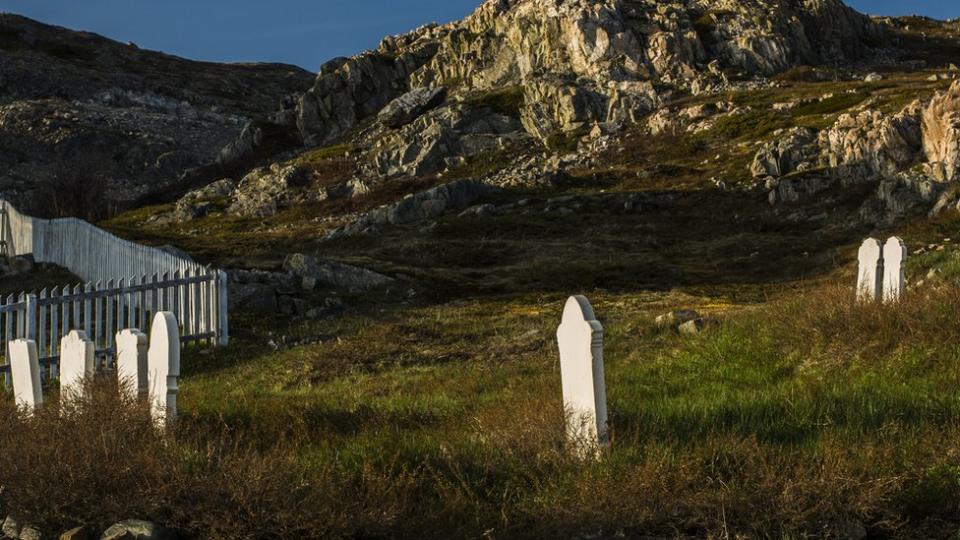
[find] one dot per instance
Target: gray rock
(249, 139)
(785, 155)
(872, 143)
(691, 328)
(800, 187)
(408, 107)
(82, 532)
(873, 77)
(196, 204)
(10, 528)
(481, 210)
(135, 529)
(432, 203)
(675, 318)
(264, 191)
(941, 134)
(29, 533)
(334, 273)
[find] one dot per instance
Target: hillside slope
(79, 112)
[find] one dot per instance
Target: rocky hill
(803, 112)
(80, 109)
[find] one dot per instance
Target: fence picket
(87, 310)
(42, 326)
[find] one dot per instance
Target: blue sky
(301, 32)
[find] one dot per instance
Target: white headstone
(132, 362)
(580, 337)
(163, 366)
(76, 362)
(894, 257)
(870, 273)
(25, 372)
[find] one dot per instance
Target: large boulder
(941, 134)
(421, 206)
(873, 143)
(199, 202)
(785, 155)
(408, 107)
(439, 137)
(800, 187)
(136, 529)
(906, 195)
(334, 273)
(264, 191)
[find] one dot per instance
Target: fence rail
(126, 284)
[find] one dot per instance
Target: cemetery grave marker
(76, 363)
(132, 362)
(894, 276)
(580, 338)
(870, 275)
(163, 367)
(25, 372)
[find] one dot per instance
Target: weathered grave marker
(25, 372)
(132, 362)
(870, 273)
(76, 362)
(894, 256)
(163, 366)
(580, 337)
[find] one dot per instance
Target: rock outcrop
(264, 191)
(941, 134)
(408, 107)
(585, 61)
(873, 143)
(336, 274)
(440, 138)
(791, 152)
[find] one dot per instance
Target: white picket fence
(126, 285)
(198, 302)
(89, 252)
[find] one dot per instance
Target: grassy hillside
(802, 415)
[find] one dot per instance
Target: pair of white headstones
(881, 272)
(141, 370)
(580, 338)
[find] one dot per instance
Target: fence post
(223, 328)
(31, 328)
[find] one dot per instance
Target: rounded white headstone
(25, 373)
(894, 275)
(869, 274)
(163, 365)
(580, 338)
(76, 362)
